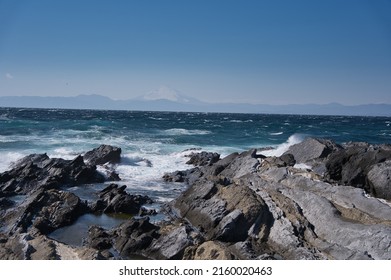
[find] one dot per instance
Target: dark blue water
(162, 137)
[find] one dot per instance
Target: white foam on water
(8, 158)
(276, 133)
(282, 148)
(182, 131)
(63, 152)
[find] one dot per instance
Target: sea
(154, 143)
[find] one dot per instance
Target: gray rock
(103, 154)
(203, 158)
(114, 199)
(134, 237)
(241, 165)
(39, 171)
(379, 180)
(351, 165)
(311, 149)
(173, 245)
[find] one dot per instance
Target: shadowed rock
(103, 154)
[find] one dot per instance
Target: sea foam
(282, 148)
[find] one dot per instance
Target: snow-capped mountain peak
(166, 93)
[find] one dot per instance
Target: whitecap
(282, 148)
(63, 152)
(276, 133)
(8, 158)
(182, 131)
(236, 121)
(4, 117)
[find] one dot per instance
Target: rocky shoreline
(319, 200)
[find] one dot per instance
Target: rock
(176, 176)
(44, 211)
(114, 199)
(98, 238)
(6, 203)
(241, 165)
(203, 158)
(146, 212)
(351, 165)
(12, 248)
(39, 171)
(134, 236)
(54, 209)
(210, 250)
(225, 213)
(312, 149)
(282, 161)
(103, 154)
(379, 180)
(173, 245)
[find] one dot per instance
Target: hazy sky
(273, 52)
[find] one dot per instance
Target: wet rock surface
(319, 200)
(114, 199)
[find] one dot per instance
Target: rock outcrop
(319, 200)
(39, 171)
(103, 154)
(114, 199)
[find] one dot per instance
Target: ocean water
(157, 142)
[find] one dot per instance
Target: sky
(269, 52)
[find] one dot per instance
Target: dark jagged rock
(39, 171)
(350, 166)
(114, 199)
(53, 209)
(103, 154)
(146, 212)
(203, 158)
(98, 238)
(6, 203)
(187, 176)
(134, 236)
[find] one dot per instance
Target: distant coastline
(100, 102)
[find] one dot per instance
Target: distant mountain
(166, 99)
(168, 94)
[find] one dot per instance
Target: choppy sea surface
(156, 142)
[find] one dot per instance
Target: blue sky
(271, 52)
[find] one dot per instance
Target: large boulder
(350, 166)
(379, 180)
(312, 149)
(103, 154)
(225, 213)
